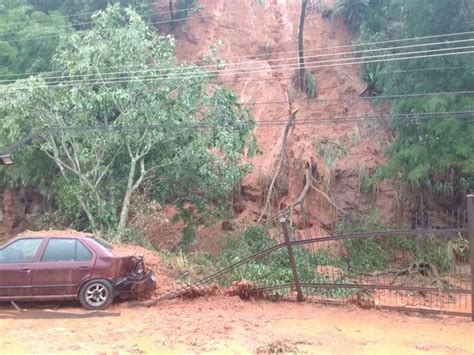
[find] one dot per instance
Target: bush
(274, 269)
(375, 253)
(352, 11)
(307, 84)
(365, 254)
(433, 251)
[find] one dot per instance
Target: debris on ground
(200, 291)
(278, 347)
(245, 290)
(164, 283)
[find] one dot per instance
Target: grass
(331, 150)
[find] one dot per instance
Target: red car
(68, 266)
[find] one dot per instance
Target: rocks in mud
(244, 289)
(200, 291)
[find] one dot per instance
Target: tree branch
(281, 159)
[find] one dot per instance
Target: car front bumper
(135, 285)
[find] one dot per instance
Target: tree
(432, 153)
(352, 11)
(139, 119)
(79, 12)
(304, 79)
(28, 38)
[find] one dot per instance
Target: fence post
(470, 231)
(299, 292)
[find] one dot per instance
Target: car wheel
(96, 294)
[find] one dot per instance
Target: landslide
(263, 34)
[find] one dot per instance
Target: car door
(17, 260)
(63, 266)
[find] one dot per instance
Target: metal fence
(427, 267)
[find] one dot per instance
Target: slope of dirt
(262, 36)
(228, 325)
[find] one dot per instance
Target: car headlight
(140, 268)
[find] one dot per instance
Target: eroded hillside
(257, 41)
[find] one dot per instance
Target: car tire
(96, 294)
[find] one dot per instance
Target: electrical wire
(265, 123)
(292, 52)
(312, 65)
(253, 63)
(370, 98)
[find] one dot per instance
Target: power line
(415, 115)
(306, 51)
(312, 65)
(188, 73)
(253, 63)
(356, 45)
(425, 69)
(369, 98)
(442, 68)
(277, 122)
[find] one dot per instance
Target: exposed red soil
(264, 36)
(55, 233)
(229, 325)
(249, 30)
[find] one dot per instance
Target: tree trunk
(127, 198)
(9, 214)
(300, 45)
(173, 24)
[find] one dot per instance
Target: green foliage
(173, 133)
(28, 38)
(274, 268)
(352, 11)
(438, 253)
(306, 82)
(79, 12)
(331, 150)
(364, 254)
(370, 74)
(189, 235)
(367, 182)
(433, 154)
(188, 267)
(375, 253)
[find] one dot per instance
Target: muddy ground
(230, 325)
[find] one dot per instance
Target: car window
(102, 242)
(101, 247)
(66, 250)
(20, 251)
(82, 253)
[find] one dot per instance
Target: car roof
(54, 234)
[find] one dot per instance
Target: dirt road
(229, 325)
